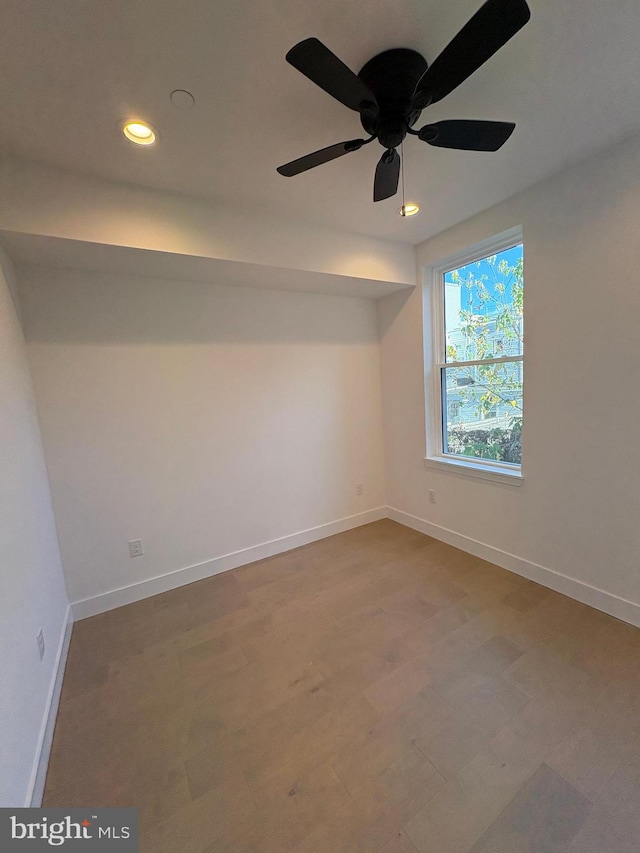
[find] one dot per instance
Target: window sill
(493, 473)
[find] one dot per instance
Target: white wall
(577, 512)
(32, 592)
(42, 200)
(202, 419)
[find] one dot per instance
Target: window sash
(436, 439)
(440, 371)
(501, 360)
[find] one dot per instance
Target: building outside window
(476, 359)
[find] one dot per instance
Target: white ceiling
(71, 69)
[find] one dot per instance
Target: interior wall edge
(45, 741)
(600, 599)
(189, 574)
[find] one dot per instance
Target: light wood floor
(377, 690)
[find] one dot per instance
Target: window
(474, 321)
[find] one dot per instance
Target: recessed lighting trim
(139, 132)
(409, 209)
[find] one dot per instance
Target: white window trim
(433, 307)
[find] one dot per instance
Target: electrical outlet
(359, 488)
(41, 646)
(432, 496)
(135, 548)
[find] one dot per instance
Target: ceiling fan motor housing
(392, 77)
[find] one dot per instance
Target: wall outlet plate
(135, 548)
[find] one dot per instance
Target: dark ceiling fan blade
(467, 135)
(488, 30)
(323, 68)
(317, 158)
(385, 184)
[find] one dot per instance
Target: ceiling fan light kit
(392, 89)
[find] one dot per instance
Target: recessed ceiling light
(409, 209)
(139, 132)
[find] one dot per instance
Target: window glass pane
(482, 410)
(483, 307)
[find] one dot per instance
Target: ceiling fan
(393, 88)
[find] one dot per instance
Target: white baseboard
(39, 773)
(621, 608)
(136, 592)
